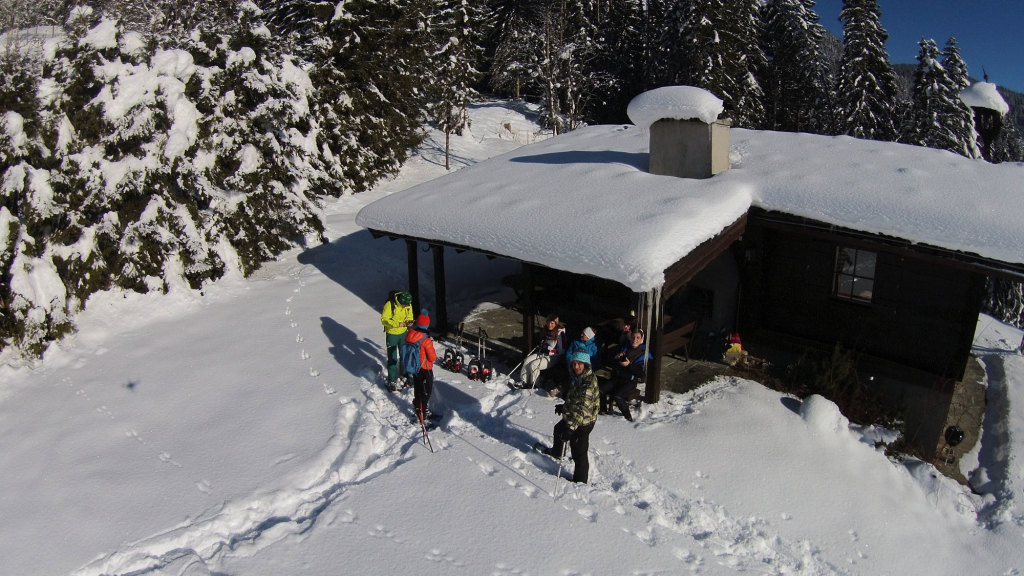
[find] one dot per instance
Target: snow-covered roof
(584, 202)
(984, 95)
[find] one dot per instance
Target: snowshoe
(449, 359)
(474, 369)
(485, 370)
(457, 361)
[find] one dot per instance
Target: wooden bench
(680, 338)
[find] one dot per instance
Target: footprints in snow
(303, 355)
(132, 434)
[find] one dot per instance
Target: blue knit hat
(581, 356)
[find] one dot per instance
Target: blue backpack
(411, 356)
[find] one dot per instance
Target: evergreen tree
(514, 34)
(958, 115)
(930, 85)
(622, 54)
(21, 156)
(660, 32)
(716, 47)
(1005, 301)
(937, 118)
(303, 19)
(568, 50)
(378, 52)
(797, 77)
(49, 201)
(454, 70)
(867, 101)
(1009, 145)
(250, 145)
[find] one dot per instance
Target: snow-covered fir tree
(1009, 145)
(715, 45)
(567, 47)
(1005, 301)
(513, 36)
(56, 202)
(303, 20)
(622, 55)
(797, 81)
(959, 116)
(936, 111)
(378, 50)
(254, 142)
(454, 26)
(23, 201)
(867, 102)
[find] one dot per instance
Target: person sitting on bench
(629, 367)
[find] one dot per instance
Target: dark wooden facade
(922, 313)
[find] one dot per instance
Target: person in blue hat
(579, 413)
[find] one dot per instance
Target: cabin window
(855, 274)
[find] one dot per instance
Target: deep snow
(244, 431)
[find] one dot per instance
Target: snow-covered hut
(809, 239)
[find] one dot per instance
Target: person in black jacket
(629, 368)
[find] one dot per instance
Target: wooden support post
(440, 297)
(529, 307)
(412, 259)
(654, 311)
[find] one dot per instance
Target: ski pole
(561, 459)
(517, 366)
(423, 425)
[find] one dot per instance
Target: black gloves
(559, 408)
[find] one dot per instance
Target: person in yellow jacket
(396, 318)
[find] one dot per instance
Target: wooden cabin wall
(922, 314)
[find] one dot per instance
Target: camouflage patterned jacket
(582, 400)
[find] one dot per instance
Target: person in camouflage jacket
(579, 413)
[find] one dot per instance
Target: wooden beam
(529, 307)
(412, 260)
(680, 273)
(440, 292)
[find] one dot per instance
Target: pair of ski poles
(517, 366)
(423, 425)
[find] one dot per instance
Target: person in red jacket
(423, 380)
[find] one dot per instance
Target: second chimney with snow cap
(687, 138)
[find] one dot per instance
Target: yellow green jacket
(394, 318)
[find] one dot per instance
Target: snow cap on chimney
(674, 103)
(984, 95)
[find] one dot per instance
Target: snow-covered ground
(244, 431)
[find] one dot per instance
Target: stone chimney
(689, 148)
(688, 140)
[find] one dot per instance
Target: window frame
(855, 271)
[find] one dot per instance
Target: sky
(987, 31)
(246, 430)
